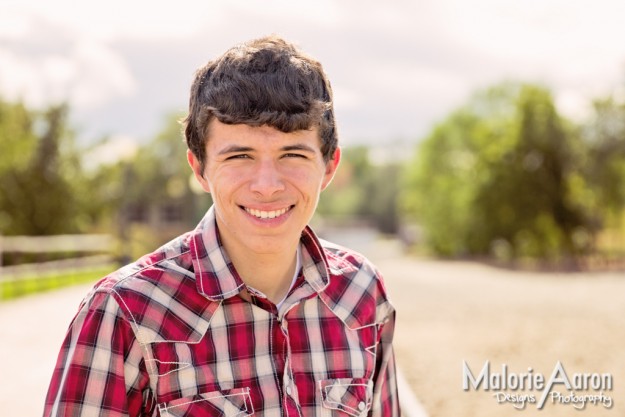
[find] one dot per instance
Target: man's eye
(294, 155)
(238, 156)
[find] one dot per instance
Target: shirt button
(289, 391)
(361, 406)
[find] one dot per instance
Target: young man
(250, 313)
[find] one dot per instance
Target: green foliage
(137, 193)
(504, 175)
(346, 195)
(45, 190)
(37, 170)
(500, 176)
(160, 174)
(363, 191)
(605, 138)
(441, 183)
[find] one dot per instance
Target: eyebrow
(298, 147)
(236, 148)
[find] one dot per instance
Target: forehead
(257, 137)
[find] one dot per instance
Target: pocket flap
(350, 395)
(227, 403)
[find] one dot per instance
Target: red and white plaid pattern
(175, 334)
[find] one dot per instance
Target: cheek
(305, 175)
(305, 181)
(221, 183)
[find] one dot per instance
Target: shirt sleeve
(100, 369)
(385, 397)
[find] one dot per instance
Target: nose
(267, 178)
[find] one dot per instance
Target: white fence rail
(93, 243)
(57, 243)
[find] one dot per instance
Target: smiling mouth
(267, 214)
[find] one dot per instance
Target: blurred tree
(605, 138)
(156, 199)
(161, 175)
(37, 165)
(363, 190)
(501, 176)
(344, 198)
(382, 197)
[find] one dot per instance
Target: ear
(196, 167)
(331, 167)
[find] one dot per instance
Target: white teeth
(267, 214)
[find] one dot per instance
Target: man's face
(265, 184)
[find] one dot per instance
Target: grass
(23, 286)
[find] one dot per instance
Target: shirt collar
(216, 277)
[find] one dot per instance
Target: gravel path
(31, 333)
(448, 312)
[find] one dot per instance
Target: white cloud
(119, 19)
(13, 24)
(89, 75)
(319, 12)
(541, 38)
(101, 75)
(403, 57)
(345, 98)
(15, 73)
(148, 20)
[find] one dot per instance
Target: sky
(397, 67)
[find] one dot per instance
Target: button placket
(289, 384)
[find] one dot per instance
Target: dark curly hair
(266, 81)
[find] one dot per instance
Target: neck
(270, 274)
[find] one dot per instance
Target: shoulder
(356, 287)
(168, 266)
(350, 264)
(157, 294)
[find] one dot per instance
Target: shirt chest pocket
(346, 396)
(228, 403)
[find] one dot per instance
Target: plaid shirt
(178, 333)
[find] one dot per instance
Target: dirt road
(31, 332)
(447, 313)
(450, 313)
